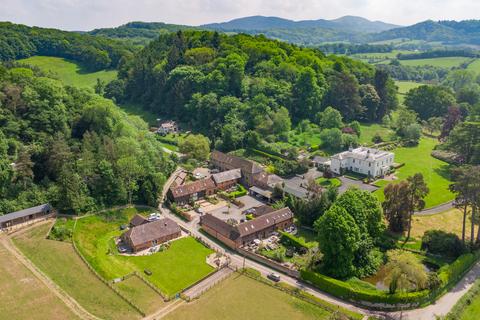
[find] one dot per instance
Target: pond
(378, 279)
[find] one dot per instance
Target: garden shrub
(448, 276)
(60, 233)
(289, 240)
(240, 192)
(443, 243)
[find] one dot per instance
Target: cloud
(89, 14)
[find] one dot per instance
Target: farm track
(159, 314)
(71, 303)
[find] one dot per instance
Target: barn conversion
(150, 234)
(25, 216)
(239, 235)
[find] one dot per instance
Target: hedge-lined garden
(449, 275)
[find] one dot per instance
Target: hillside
(96, 53)
(447, 32)
(239, 89)
(345, 24)
(139, 33)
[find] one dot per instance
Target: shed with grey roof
(19, 217)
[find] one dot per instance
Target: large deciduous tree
(429, 101)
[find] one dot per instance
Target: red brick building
(249, 169)
(227, 179)
(239, 235)
(192, 191)
(150, 234)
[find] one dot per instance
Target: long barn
(24, 216)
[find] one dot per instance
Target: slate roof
(229, 175)
(138, 220)
(151, 231)
(265, 221)
(193, 187)
(25, 212)
(235, 162)
(320, 160)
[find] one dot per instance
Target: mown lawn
(239, 297)
(368, 131)
(404, 87)
(435, 172)
(61, 264)
(23, 296)
(69, 72)
(174, 269)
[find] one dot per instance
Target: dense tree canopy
(72, 148)
(430, 101)
(224, 86)
(19, 41)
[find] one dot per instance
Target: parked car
(274, 277)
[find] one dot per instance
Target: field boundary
(69, 301)
(108, 283)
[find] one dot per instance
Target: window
(369, 164)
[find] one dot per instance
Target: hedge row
(459, 308)
(240, 192)
(268, 155)
(291, 241)
(448, 274)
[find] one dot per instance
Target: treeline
(96, 53)
(423, 73)
(439, 54)
(238, 89)
(139, 33)
(72, 148)
(347, 48)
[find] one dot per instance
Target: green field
(474, 66)
(240, 297)
(435, 172)
(60, 263)
(174, 269)
(446, 62)
(69, 72)
(141, 294)
(404, 87)
(24, 296)
(368, 131)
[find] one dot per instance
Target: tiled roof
(138, 220)
(235, 162)
(219, 226)
(229, 175)
(25, 212)
(193, 187)
(151, 231)
(265, 221)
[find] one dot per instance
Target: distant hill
(139, 32)
(345, 24)
(447, 32)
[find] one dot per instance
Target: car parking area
(225, 210)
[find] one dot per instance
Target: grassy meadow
(174, 269)
(444, 62)
(69, 72)
(24, 296)
(141, 294)
(240, 297)
(60, 263)
(435, 172)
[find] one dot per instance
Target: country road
(439, 308)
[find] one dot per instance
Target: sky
(90, 14)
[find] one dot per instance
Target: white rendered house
(367, 161)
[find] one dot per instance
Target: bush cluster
(443, 243)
